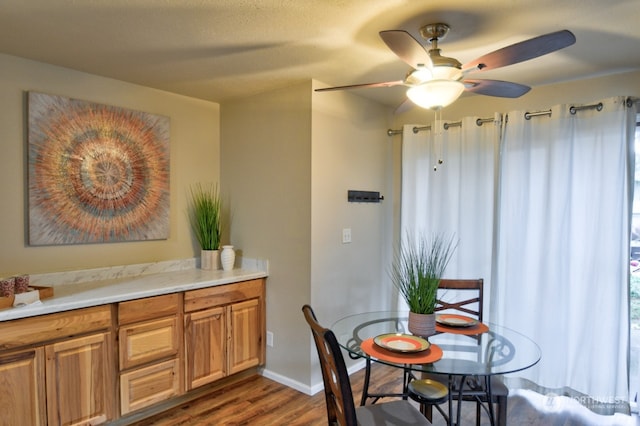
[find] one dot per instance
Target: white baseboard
(301, 387)
(284, 380)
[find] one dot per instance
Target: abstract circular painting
(97, 173)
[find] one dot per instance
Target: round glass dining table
(466, 351)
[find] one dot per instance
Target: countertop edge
(96, 293)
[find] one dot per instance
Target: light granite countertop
(118, 285)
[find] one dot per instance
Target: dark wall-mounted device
(364, 196)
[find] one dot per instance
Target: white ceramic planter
(209, 259)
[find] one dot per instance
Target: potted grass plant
(204, 212)
(416, 271)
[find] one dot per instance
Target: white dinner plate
(399, 342)
(454, 320)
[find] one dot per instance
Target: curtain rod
(572, 110)
(416, 129)
(528, 115)
(630, 101)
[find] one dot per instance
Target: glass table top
(498, 351)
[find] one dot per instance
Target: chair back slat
(469, 298)
(337, 387)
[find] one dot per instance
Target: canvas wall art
(97, 173)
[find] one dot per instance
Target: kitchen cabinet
(224, 331)
(100, 364)
(150, 336)
(58, 369)
(206, 346)
(244, 335)
(22, 390)
(78, 380)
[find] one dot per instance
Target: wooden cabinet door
(22, 389)
(79, 381)
(245, 335)
(206, 346)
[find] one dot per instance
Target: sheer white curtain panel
(562, 265)
(456, 199)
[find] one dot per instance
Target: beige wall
(350, 150)
(289, 157)
(194, 149)
(266, 177)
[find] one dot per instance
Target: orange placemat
(432, 354)
(469, 331)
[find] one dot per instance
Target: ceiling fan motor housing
(443, 67)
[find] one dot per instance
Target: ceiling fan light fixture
(435, 94)
(419, 76)
(445, 72)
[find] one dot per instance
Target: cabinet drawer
(46, 328)
(148, 341)
(146, 386)
(222, 295)
(148, 308)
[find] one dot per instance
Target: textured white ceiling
(221, 49)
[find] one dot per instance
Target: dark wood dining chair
(341, 409)
(466, 297)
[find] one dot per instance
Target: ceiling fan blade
(365, 85)
(407, 48)
(498, 88)
(523, 51)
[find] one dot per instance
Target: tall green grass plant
(205, 207)
(417, 269)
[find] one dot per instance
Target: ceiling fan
(436, 81)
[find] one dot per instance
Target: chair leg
(502, 411)
(427, 411)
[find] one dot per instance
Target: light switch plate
(346, 235)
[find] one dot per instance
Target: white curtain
(547, 225)
(562, 264)
(456, 199)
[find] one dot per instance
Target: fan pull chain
(438, 136)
